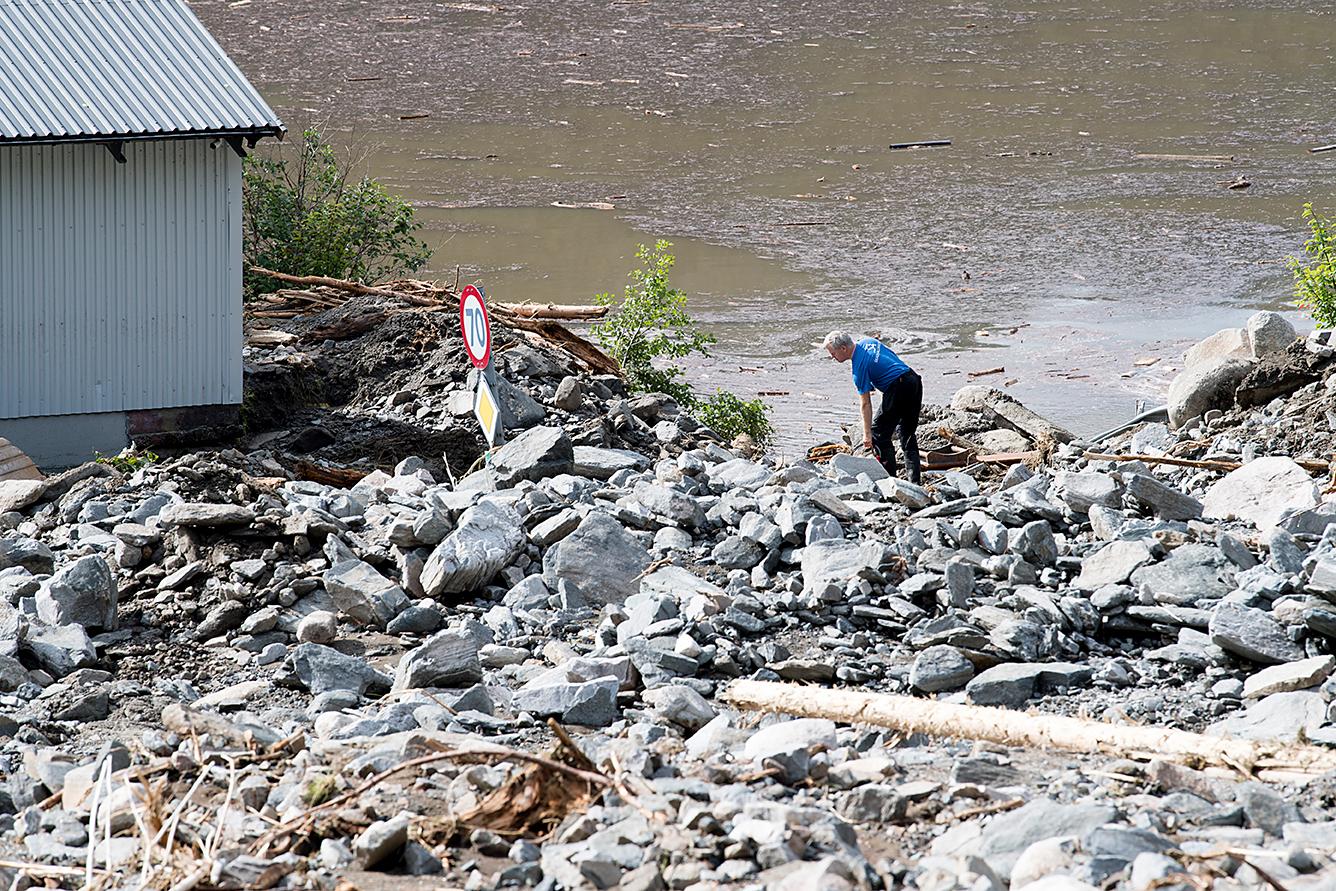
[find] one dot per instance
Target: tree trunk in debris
(908, 714)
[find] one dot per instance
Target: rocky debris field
(214, 674)
(369, 382)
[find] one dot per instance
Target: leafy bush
(651, 323)
(311, 218)
(127, 461)
(1315, 281)
(650, 327)
(729, 415)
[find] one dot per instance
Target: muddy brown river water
(755, 137)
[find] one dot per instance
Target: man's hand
(867, 443)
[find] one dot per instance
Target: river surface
(756, 136)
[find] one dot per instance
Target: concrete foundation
(61, 441)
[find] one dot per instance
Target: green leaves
(650, 327)
(1315, 280)
(309, 219)
(730, 415)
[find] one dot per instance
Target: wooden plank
(15, 465)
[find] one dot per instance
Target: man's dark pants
(900, 404)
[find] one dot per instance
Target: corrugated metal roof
(90, 69)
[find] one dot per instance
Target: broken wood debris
(1200, 159)
(1309, 464)
(907, 714)
(922, 143)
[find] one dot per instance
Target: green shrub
(650, 327)
(729, 415)
(1315, 280)
(651, 323)
(309, 217)
(127, 461)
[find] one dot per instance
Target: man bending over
(876, 367)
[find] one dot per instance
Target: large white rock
(1269, 334)
(1231, 343)
(1112, 564)
(602, 558)
(1261, 492)
(1204, 386)
(489, 536)
(18, 494)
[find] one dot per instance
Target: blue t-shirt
(875, 366)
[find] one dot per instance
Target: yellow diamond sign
(487, 410)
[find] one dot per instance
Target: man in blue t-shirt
(877, 367)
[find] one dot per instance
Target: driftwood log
(1225, 466)
(907, 714)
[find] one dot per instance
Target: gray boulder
(1008, 835)
(1112, 564)
(83, 593)
(1079, 491)
(737, 552)
(446, 659)
(1261, 492)
(488, 538)
(363, 594)
(1011, 684)
(600, 464)
(831, 563)
(940, 667)
(1167, 502)
(588, 703)
(677, 508)
(1034, 543)
(61, 649)
(1269, 334)
(789, 737)
(1252, 634)
(321, 669)
(533, 455)
(854, 465)
(29, 553)
(601, 558)
(680, 705)
(518, 409)
(1192, 572)
(1200, 388)
(738, 473)
(1281, 716)
(18, 494)
(185, 513)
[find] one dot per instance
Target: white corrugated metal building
(122, 128)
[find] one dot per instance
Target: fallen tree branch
(500, 753)
(351, 287)
(561, 337)
(908, 714)
(551, 311)
(1308, 464)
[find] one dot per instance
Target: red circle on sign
(476, 326)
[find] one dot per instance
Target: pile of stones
(211, 672)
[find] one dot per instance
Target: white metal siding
(120, 284)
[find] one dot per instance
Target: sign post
(477, 330)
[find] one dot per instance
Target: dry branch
(551, 311)
(907, 714)
(1225, 466)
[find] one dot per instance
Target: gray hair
(838, 340)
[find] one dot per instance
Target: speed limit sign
(475, 326)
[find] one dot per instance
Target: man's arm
(866, 399)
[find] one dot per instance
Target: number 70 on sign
(475, 326)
